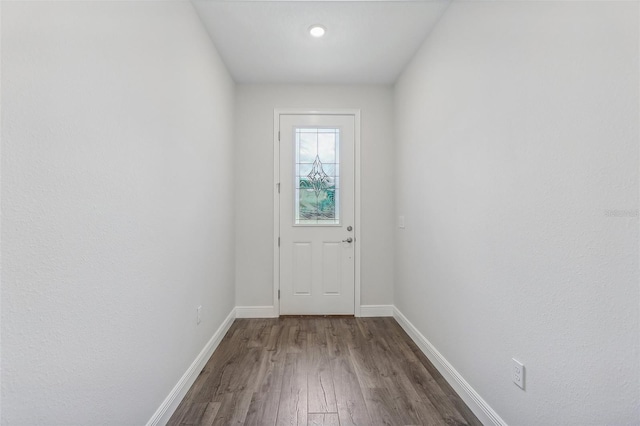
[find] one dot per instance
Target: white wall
(517, 125)
(117, 201)
(254, 183)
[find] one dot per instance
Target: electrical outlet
(517, 372)
(199, 314)
(401, 222)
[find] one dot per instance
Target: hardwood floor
(320, 371)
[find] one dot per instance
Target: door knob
(348, 240)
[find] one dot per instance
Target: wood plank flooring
(320, 371)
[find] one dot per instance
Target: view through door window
(317, 162)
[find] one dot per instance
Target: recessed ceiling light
(317, 30)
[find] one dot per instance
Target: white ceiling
(367, 42)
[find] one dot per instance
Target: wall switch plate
(199, 314)
(401, 222)
(517, 372)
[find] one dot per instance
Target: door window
(317, 165)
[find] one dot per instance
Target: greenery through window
(317, 176)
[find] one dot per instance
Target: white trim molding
(376, 310)
(171, 402)
(479, 406)
(256, 312)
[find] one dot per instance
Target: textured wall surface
(117, 207)
(517, 125)
(254, 183)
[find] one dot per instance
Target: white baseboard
(269, 311)
(171, 402)
(376, 310)
(479, 406)
(256, 312)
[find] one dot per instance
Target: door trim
(277, 112)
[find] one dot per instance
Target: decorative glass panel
(317, 164)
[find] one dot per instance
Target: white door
(317, 236)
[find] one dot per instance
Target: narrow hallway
(320, 371)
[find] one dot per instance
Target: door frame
(277, 112)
